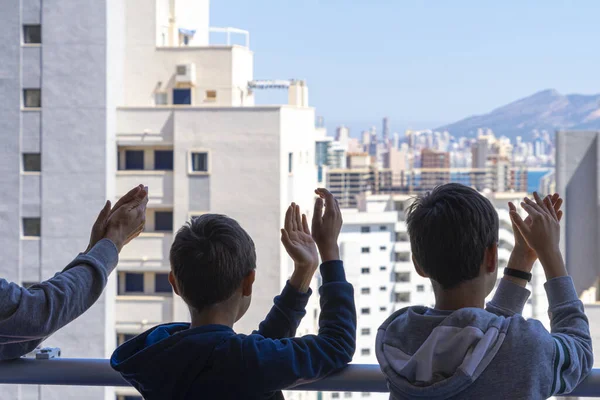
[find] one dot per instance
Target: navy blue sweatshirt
(175, 362)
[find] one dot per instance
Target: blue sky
(422, 63)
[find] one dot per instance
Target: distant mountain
(547, 110)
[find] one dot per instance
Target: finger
(534, 205)
(555, 197)
(329, 201)
(130, 196)
(559, 215)
(557, 205)
(294, 220)
(317, 214)
(550, 207)
(539, 201)
(288, 219)
(511, 206)
(519, 223)
(305, 224)
(298, 218)
(531, 210)
(285, 239)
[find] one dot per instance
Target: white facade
(109, 74)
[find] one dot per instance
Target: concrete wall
(578, 180)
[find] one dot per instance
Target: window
(32, 162)
(161, 98)
(163, 221)
(365, 229)
(335, 395)
(365, 290)
(365, 250)
(365, 352)
(401, 237)
(365, 311)
(365, 394)
(402, 297)
(420, 288)
(382, 288)
(182, 96)
(403, 257)
(365, 270)
(124, 337)
(32, 227)
(134, 159)
(383, 228)
(402, 277)
(382, 248)
(161, 283)
(211, 95)
(200, 162)
(290, 163)
(383, 308)
(134, 282)
(382, 268)
(32, 98)
(163, 160)
(347, 395)
(365, 331)
(32, 34)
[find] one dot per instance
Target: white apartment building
(99, 96)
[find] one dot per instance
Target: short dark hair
(210, 257)
(450, 228)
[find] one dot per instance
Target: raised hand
(297, 240)
(300, 245)
(127, 221)
(99, 227)
(543, 234)
(522, 254)
(326, 226)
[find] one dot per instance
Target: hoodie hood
(161, 362)
(429, 354)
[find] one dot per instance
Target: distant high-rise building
(395, 140)
(342, 134)
(386, 130)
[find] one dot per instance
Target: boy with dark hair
(213, 265)
(459, 350)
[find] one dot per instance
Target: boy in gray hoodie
(461, 350)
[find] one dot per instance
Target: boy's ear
(491, 258)
(418, 268)
(173, 283)
(247, 283)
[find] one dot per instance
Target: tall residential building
(98, 96)
(385, 132)
(342, 134)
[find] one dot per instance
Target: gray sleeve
(28, 316)
(570, 331)
(509, 299)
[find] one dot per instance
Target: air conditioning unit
(185, 73)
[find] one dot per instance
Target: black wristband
(518, 274)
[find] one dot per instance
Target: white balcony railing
(160, 185)
(97, 372)
(144, 310)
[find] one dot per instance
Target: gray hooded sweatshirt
(494, 353)
(30, 315)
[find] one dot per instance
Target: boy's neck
(215, 315)
(468, 294)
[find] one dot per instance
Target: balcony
(97, 372)
(150, 249)
(160, 185)
(133, 311)
(402, 247)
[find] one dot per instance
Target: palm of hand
(521, 241)
(302, 248)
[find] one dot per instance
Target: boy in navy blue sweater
(213, 268)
